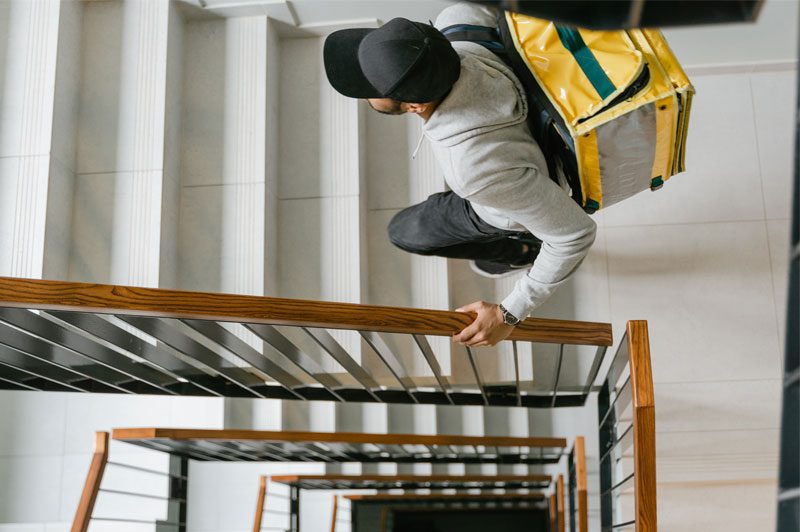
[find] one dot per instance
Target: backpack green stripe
(572, 41)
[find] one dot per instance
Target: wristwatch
(508, 318)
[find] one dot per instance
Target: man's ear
(416, 108)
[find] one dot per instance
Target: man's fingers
(472, 307)
(468, 332)
(480, 340)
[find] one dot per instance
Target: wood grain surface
(294, 479)
(560, 503)
(262, 494)
(446, 496)
(154, 302)
(335, 511)
(580, 473)
(644, 426)
(153, 433)
(91, 486)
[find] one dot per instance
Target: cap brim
(340, 55)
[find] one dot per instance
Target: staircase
(197, 145)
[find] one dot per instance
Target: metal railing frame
(95, 338)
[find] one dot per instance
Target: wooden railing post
(551, 507)
(262, 494)
(92, 485)
(560, 503)
(335, 510)
(580, 473)
(644, 426)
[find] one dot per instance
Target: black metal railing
(79, 337)
(626, 419)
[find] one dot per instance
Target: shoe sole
(488, 275)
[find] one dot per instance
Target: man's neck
(429, 111)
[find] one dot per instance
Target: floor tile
(722, 180)
(779, 255)
(718, 406)
(712, 456)
(774, 95)
(717, 507)
(706, 291)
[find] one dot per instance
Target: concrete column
(38, 84)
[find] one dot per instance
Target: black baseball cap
(403, 60)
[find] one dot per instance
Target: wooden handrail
(537, 496)
(155, 302)
(560, 503)
(644, 426)
(580, 473)
(294, 479)
(335, 510)
(334, 437)
(92, 484)
(262, 494)
(551, 507)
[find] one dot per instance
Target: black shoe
(496, 270)
(533, 243)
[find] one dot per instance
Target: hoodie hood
(486, 97)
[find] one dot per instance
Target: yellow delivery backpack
(610, 109)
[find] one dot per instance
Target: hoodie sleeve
(528, 196)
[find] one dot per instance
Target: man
(504, 211)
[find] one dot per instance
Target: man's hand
(488, 327)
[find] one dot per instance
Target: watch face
(509, 319)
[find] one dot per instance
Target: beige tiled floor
(706, 290)
(705, 262)
(717, 507)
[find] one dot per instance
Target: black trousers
(447, 226)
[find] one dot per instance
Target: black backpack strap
(483, 35)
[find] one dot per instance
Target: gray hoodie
(483, 144)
